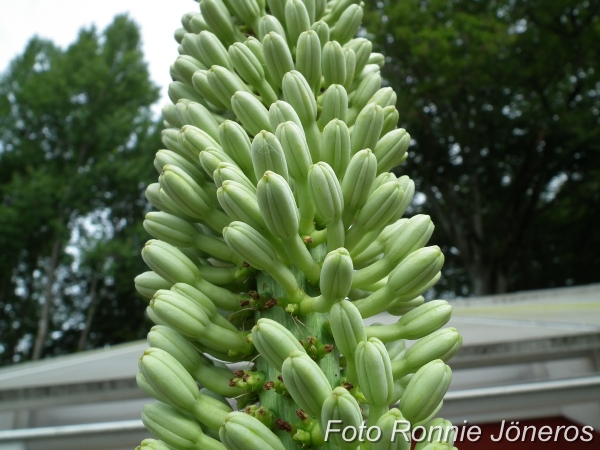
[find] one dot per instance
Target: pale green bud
(166, 204)
(267, 154)
(169, 262)
(384, 97)
(408, 186)
(425, 391)
(391, 439)
(405, 307)
(250, 245)
(365, 90)
(170, 114)
(390, 119)
(224, 84)
(380, 207)
(306, 382)
(197, 115)
(377, 58)
(176, 345)
(296, 20)
(350, 58)
(374, 370)
(185, 192)
(362, 48)
(277, 205)
(239, 203)
(311, 8)
(251, 112)
(227, 171)
(382, 178)
(338, 9)
(180, 313)
(358, 179)
(235, 142)
(171, 138)
(348, 24)
(441, 344)
(320, 6)
(184, 67)
(367, 129)
(274, 342)
(277, 8)
(201, 85)
(178, 34)
(297, 93)
(308, 58)
(335, 105)
(189, 46)
(211, 51)
(171, 229)
(152, 444)
(241, 431)
(178, 90)
(198, 24)
(172, 426)
(186, 19)
(246, 63)
(278, 57)
(269, 24)
(336, 146)
(391, 149)
(148, 283)
(295, 148)
(347, 327)
(396, 349)
(326, 193)
(336, 274)
(415, 271)
(341, 405)
(247, 10)
(281, 112)
(438, 431)
(219, 20)
(322, 30)
(153, 196)
(211, 158)
(414, 235)
(334, 64)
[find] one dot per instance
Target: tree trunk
(90, 313)
(42, 331)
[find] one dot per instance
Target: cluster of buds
(276, 206)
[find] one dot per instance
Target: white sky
(60, 20)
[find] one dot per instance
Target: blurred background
(502, 99)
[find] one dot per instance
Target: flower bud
(184, 67)
(170, 115)
(189, 46)
(336, 145)
(390, 119)
(404, 307)
(350, 58)
(267, 154)
(164, 157)
(246, 63)
(241, 431)
(334, 64)
(380, 207)
(367, 128)
(224, 84)
(425, 391)
(391, 149)
(169, 263)
(269, 24)
(384, 97)
(185, 192)
(340, 405)
(348, 24)
(180, 313)
(250, 245)
(326, 193)
(439, 431)
(231, 172)
(297, 93)
(441, 344)
(416, 270)
(211, 158)
(178, 90)
(175, 428)
(274, 342)
(347, 327)
(322, 30)
(278, 57)
(251, 112)
(336, 274)
(281, 112)
(408, 186)
(368, 86)
(277, 205)
(218, 19)
(201, 85)
(239, 203)
(247, 10)
(374, 370)
(236, 144)
(148, 283)
(308, 58)
(358, 179)
(362, 48)
(295, 148)
(196, 140)
(306, 382)
(389, 423)
(296, 20)
(152, 444)
(197, 24)
(171, 138)
(171, 229)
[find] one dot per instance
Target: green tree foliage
(75, 129)
(503, 100)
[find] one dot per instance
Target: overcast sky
(60, 20)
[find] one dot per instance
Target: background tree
(76, 138)
(503, 100)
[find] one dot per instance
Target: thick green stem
(302, 327)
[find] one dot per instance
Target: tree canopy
(76, 144)
(502, 99)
